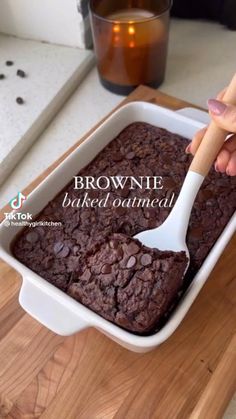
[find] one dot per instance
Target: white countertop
(202, 58)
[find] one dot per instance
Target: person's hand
(225, 117)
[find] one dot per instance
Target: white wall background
(55, 21)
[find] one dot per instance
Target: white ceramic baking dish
(55, 309)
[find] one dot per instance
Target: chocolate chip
(132, 249)
(106, 269)
(32, 237)
(21, 73)
(86, 275)
(150, 213)
(119, 253)
(148, 274)
(165, 265)
(58, 247)
(2, 76)
(64, 252)
(211, 203)
(131, 262)
(184, 158)
(157, 265)
(9, 63)
(126, 228)
(113, 244)
(48, 262)
(75, 250)
(19, 100)
(73, 263)
(130, 155)
(146, 259)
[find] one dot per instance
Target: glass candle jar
(130, 40)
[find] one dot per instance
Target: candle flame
(131, 30)
(116, 28)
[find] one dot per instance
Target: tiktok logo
(17, 202)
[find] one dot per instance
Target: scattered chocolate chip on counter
(21, 73)
(2, 76)
(20, 101)
(9, 63)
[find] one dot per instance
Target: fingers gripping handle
(213, 140)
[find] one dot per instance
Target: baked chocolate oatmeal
(64, 255)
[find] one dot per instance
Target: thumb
(223, 114)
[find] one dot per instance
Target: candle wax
(131, 15)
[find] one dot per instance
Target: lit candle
(131, 46)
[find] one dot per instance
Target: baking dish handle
(48, 311)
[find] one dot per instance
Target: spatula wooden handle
(213, 139)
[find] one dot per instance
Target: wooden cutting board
(87, 376)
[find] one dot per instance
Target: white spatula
(171, 235)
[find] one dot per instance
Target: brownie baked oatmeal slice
(128, 283)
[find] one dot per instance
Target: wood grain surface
(87, 376)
